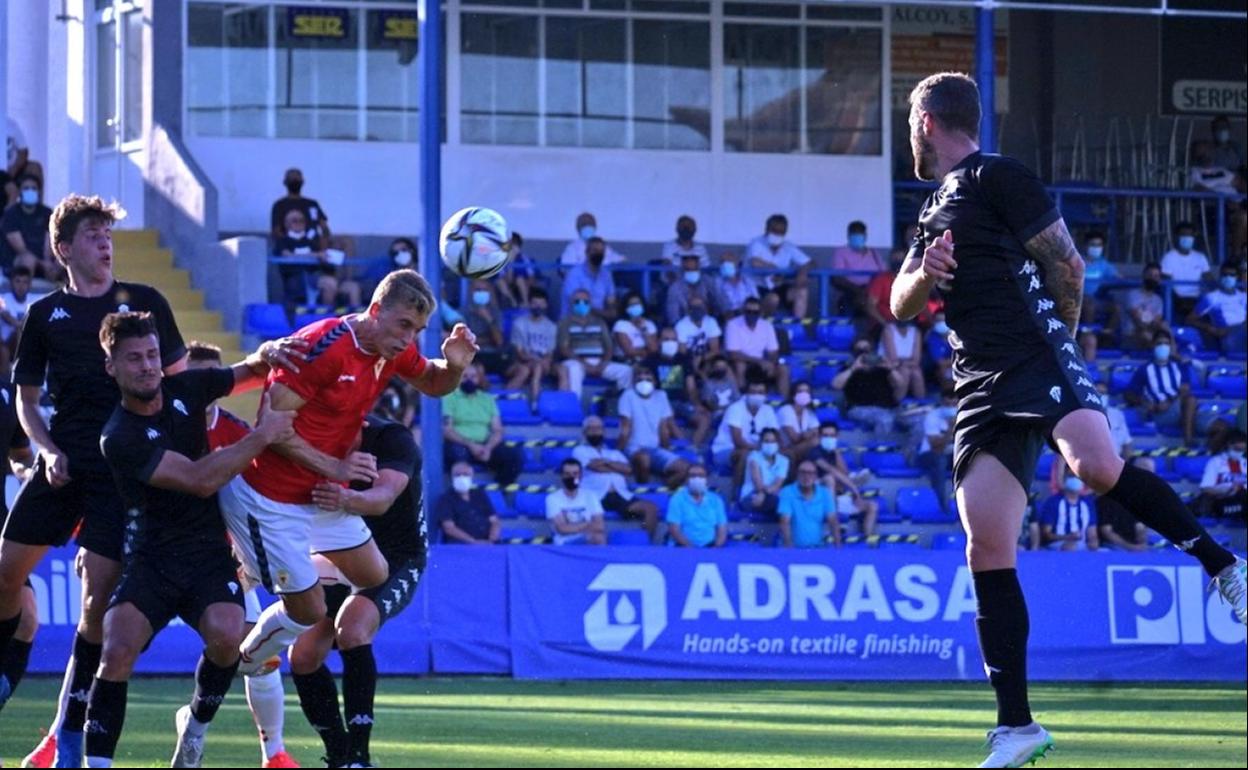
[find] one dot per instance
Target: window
(318, 93)
(499, 102)
(762, 88)
(586, 82)
(672, 85)
(228, 78)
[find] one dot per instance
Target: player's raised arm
(923, 268)
(441, 375)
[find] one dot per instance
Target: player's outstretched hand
(460, 347)
(275, 426)
(330, 496)
(938, 259)
(286, 353)
(357, 466)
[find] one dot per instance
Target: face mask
(596, 258)
(1222, 136)
(402, 258)
(774, 239)
(1073, 484)
(645, 388)
(538, 311)
(857, 241)
(580, 307)
(828, 443)
(30, 197)
(751, 317)
(685, 233)
(770, 448)
(1161, 352)
(728, 269)
(481, 297)
(461, 483)
(586, 232)
(635, 311)
(941, 328)
(468, 387)
(1186, 242)
(1228, 282)
(1096, 252)
(1152, 285)
(594, 439)
(294, 187)
(692, 276)
(719, 374)
(697, 485)
(802, 399)
(570, 483)
(669, 348)
(296, 235)
(755, 400)
(698, 313)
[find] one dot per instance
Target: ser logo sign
(1167, 605)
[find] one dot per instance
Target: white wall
(374, 188)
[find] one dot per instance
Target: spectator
(696, 516)
(675, 252)
(604, 472)
(1118, 528)
(1146, 311)
(766, 469)
(585, 346)
(533, 340)
(397, 403)
(691, 286)
(806, 508)
(315, 218)
(485, 320)
(880, 287)
(749, 340)
(939, 352)
(1207, 176)
(1068, 520)
(872, 390)
(1225, 151)
(732, 287)
(740, 432)
(834, 474)
(647, 430)
(672, 368)
(577, 250)
(591, 277)
(864, 261)
(1221, 314)
(17, 156)
(699, 335)
(575, 515)
(13, 305)
(901, 347)
(465, 512)
(636, 337)
(1222, 487)
(717, 391)
(799, 426)
(936, 450)
(1097, 270)
(402, 254)
(26, 242)
(520, 275)
(1186, 267)
(1119, 432)
(788, 266)
(1162, 388)
(472, 431)
(303, 240)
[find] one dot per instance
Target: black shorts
(165, 587)
(1011, 414)
(612, 501)
(391, 597)
(42, 515)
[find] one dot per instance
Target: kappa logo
(181, 407)
(59, 314)
(152, 434)
(1055, 393)
(612, 620)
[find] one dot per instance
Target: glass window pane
(227, 69)
(105, 85)
(762, 89)
(318, 90)
(842, 87)
(843, 13)
(393, 76)
(132, 66)
(586, 82)
(499, 79)
(763, 10)
(672, 85)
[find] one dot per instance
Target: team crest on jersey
(377, 367)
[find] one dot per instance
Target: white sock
(195, 727)
(267, 700)
(273, 632)
(99, 762)
(62, 698)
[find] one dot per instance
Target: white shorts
(251, 607)
(275, 541)
(846, 505)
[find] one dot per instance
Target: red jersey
(226, 430)
(340, 384)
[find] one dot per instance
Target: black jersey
(60, 345)
(11, 434)
(400, 531)
(162, 521)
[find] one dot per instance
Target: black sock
(1159, 508)
(15, 660)
(212, 682)
(318, 696)
(359, 686)
(7, 629)
(106, 714)
(86, 661)
(1003, 627)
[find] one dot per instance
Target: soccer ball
(474, 242)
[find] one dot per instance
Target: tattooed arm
(1053, 249)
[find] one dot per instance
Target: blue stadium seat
(747, 543)
(1190, 467)
(1228, 382)
(798, 337)
(1208, 411)
(1166, 471)
(515, 411)
(660, 499)
(509, 534)
(920, 505)
(837, 334)
(890, 465)
(821, 376)
(531, 505)
(949, 541)
(1045, 466)
(628, 537)
(898, 545)
(1137, 425)
(798, 370)
(306, 319)
(1120, 377)
(1188, 339)
(827, 413)
(267, 321)
(499, 501)
(533, 462)
(553, 456)
(560, 407)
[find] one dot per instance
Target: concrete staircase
(139, 257)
